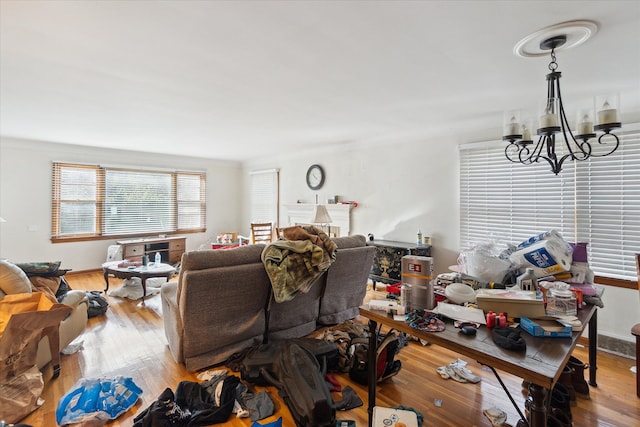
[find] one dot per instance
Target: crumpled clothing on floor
(497, 416)
(350, 399)
(191, 406)
(457, 371)
(259, 404)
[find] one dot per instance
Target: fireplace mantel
(301, 213)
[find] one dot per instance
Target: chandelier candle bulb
(513, 129)
(585, 128)
(526, 133)
(607, 108)
(607, 116)
(584, 120)
(511, 124)
(548, 121)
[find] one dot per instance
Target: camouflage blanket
(294, 265)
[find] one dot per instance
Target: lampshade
(320, 215)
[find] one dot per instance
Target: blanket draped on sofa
(293, 265)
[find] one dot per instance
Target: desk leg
(593, 348)
(538, 409)
(371, 356)
(106, 281)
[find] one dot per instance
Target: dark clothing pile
(192, 405)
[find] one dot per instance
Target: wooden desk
(541, 364)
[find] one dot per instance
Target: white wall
(405, 186)
(25, 198)
(400, 188)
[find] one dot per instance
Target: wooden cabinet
(387, 261)
(170, 248)
(176, 249)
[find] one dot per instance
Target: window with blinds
(595, 201)
(265, 196)
(91, 201)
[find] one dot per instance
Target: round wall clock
(315, 177)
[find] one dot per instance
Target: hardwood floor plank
(129, 340)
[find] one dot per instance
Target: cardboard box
(514, 303)
(390, 417)
(545, 328)
(24, 319)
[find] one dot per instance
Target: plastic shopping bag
(97, 401)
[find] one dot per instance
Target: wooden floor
(129, 340)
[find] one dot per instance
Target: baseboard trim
(93, 270)
(613, 345)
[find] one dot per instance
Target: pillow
(12, 279)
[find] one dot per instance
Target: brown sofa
(218, 305)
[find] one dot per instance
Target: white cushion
(73, 298)
(12, 279)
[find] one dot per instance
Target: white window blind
(595, 201)
(137, 202)
(608, 209)
(265, 196)
(90, 201)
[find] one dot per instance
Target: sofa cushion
(12, 279)
(347, 242)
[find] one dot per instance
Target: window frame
(100, 191)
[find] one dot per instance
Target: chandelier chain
(553, 65)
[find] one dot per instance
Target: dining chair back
(261, 232)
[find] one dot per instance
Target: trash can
(417, 276)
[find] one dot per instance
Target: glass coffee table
(143, 272)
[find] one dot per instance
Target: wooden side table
(143, 272)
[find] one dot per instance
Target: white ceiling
(239, 79)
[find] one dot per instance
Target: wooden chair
(261, 232)
(635, 330)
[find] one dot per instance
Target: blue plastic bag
(97, 400)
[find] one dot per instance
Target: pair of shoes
(560, 402)
(577, 380)
(558, 418)
(566, 379)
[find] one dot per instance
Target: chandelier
(552, 123)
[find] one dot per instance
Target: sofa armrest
(173, 326)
